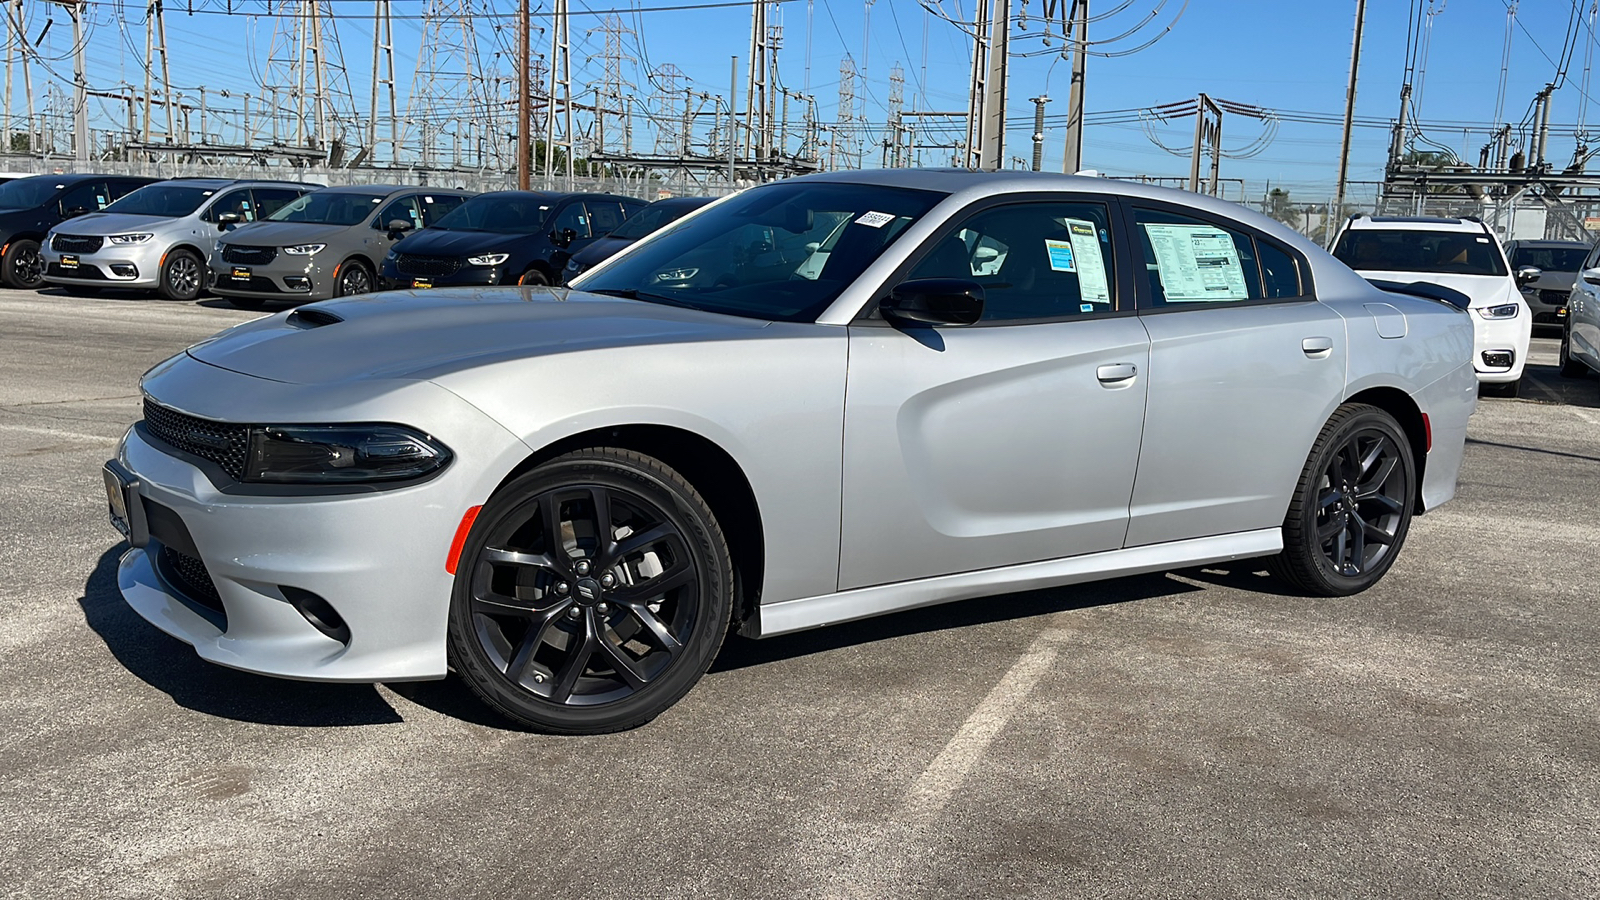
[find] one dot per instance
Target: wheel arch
(714, 473)
(185, 245)
(542, 267)
(1404, 409)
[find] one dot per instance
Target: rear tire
(1352, 506)
(23, 267)
(591, 594)
(182, 276)
(1570, 368)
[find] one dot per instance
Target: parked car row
(258, 241)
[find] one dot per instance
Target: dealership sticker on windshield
(875, 219)
(1060, 255)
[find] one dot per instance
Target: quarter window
(1190, 261)
(1034, 260)
(1280, 274)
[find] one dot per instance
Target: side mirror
(398, 227)
(1591, 276)
(77, 211)
(564, 237)
(227, 219)
(1528, 274)
(934, 301)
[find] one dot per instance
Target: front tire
(182, 276)
(1352, 506)
(248, 302)
(1570, 368)
(354, 278)
(533, 278)
(591, 594)
(22, 267)
(1507, 389)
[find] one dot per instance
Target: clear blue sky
(1289, 55)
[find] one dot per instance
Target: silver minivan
(157, 237)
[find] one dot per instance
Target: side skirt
(845, 606)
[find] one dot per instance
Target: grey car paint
(1546, 294)
(363, 243)
(494, 373)
(1582, 329)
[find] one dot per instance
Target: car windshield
(329, 208)
(165, 200)
(27, 193)
(1551, 259)
(781, 252)
(652, 217)
(1405, 250)
(499, 213)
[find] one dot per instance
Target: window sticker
(1085, 307)
(1060, 255)
(1196, 263)
(427, 199)
(1092, 282)
(875, 219)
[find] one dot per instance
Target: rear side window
(1406, 250)
(1189, 261)
(437, 206)
(604, 215)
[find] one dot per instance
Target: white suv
(1460, 254)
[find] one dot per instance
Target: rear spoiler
(1425, 290)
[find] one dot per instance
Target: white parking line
(56, 432)
(945, 774)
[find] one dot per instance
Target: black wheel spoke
(626, 667)
(578, 653)
(518, 666)
(1329, 499)
(1380, 477)
(634, 543)
(651, 588)
(1373, 533)
(657, 628)
(550, 513)
(518, 558)
(1358, 544)
(600, 500)
(1371, 457)
(1333, 526)
(1394, 506)
(500, 605)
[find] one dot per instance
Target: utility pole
(1073, 159)
(80, 88)
(1207, 131)
(1038, 131)
(382, 53)
(978, 88)
(524, 101)
(1350, 106)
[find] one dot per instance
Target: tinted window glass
(28, 193)
(328, 208)
(1280, 274)
(1188, 260)
(236, 202)
(121, 188)
(500, 213)
(782, 251)
(165, 200)
(91, 196)
(604, 215)
(651, 218)
(1443, 252)
(270, 200)
(1550, 259)
(1034, 260)
(437, 206)
(572, 216)
(405, 209)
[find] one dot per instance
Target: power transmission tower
(447, 95)
(671, 123)
(560, 90)
(756, 124)
(383, 80)
(155, 41)
(614, 93)
(1207, 135)
(897, 95)
(305, 55)
(17, 44)
(842, 149)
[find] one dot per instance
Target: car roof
(690, 202)
(229, 182)
(387, 189)
(1549, 244)
(1414, 223)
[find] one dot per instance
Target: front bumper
(287, 277)
(135, 266)
(1498, 336)
(376, 558)
(392, 279)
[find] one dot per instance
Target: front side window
(571, 216)
(1190, 261)
(90, 196)
(605, 215)
(327, 208)
(28, 193)
(1408, 250)
(1550, 259)
(1034, 260)
(165, 200)
(783, 251)
(236, 202)
(402, 210)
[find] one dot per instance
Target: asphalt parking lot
(1190, 734)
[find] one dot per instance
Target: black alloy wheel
(1352, 506)
(591, 595)
(182, 276)
(23, 266)
(533, 278)
(354, 278)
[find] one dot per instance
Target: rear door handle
(1317, 347)
(1116, 373)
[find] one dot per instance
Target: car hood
(283, 234)
(111, 223)
(434, 242)
(1485, 290)
(426, 334)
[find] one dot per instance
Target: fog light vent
(124, 270)
(297, 282)
(1498, 359)
(319, 612)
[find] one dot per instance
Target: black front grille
(255, 284)
(248, 256)
(219, 442)
(1553, 298)
(428, 266)
(81, 270)
(76, 243)
(189, 576)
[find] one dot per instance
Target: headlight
(304, 249)
(683, 274)
(340, 454)
(392, 254)
(130, 238)
(217, 247)
(1503, 311)
(488, 259)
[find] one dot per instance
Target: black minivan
(504, 237)
(30, 207)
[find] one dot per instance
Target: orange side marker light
(461, 539)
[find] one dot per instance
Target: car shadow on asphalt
(1550, 388)
(171, 666)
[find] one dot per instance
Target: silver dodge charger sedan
(817, 400)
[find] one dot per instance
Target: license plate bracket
(241, 273)
(422, 282)
(69, 262)
(124, 506)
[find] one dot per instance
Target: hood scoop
(309, 317)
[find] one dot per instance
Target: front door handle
(1116, 373)
(1317, 347)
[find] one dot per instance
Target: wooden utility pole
(1072, 161)
(524, 114)
(1349, 108)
